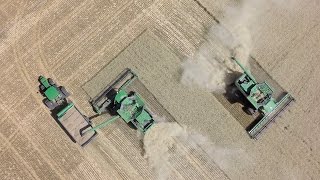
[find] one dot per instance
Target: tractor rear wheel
(51, 105)
(64, 91)
(51, 82)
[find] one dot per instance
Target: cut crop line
(24, 76)
(207, 11)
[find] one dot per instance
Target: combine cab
(260, 100)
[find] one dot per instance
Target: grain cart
(65, 112)
(261, 100)
(123, 104)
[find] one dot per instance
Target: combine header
(260, 100)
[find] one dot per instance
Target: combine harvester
(260, 100)
(115, 99)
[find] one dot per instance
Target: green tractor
(123, 104)
(68, 116)
(261, 100)
(54, 95)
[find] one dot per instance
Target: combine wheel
(51, 105)
(132, 126)
(250, 111)
(88, 120)
(64, 91)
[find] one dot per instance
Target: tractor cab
(54, 95)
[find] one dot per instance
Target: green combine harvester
(260, 100)
(115, 99)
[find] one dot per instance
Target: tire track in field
(88, 34)
(24, 76)
(26, 79)
(44, 155)
(22, 25)
(137, 22)
(94, 33)
(82, 37)
(16, 20)
(8, 146)
(56, 28)
(107, 151)
(43, 64)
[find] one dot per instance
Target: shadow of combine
(233, 94)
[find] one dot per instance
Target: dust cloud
(157, 144)
(209, 68)
(163, 145)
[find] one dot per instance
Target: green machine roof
(52, 93)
